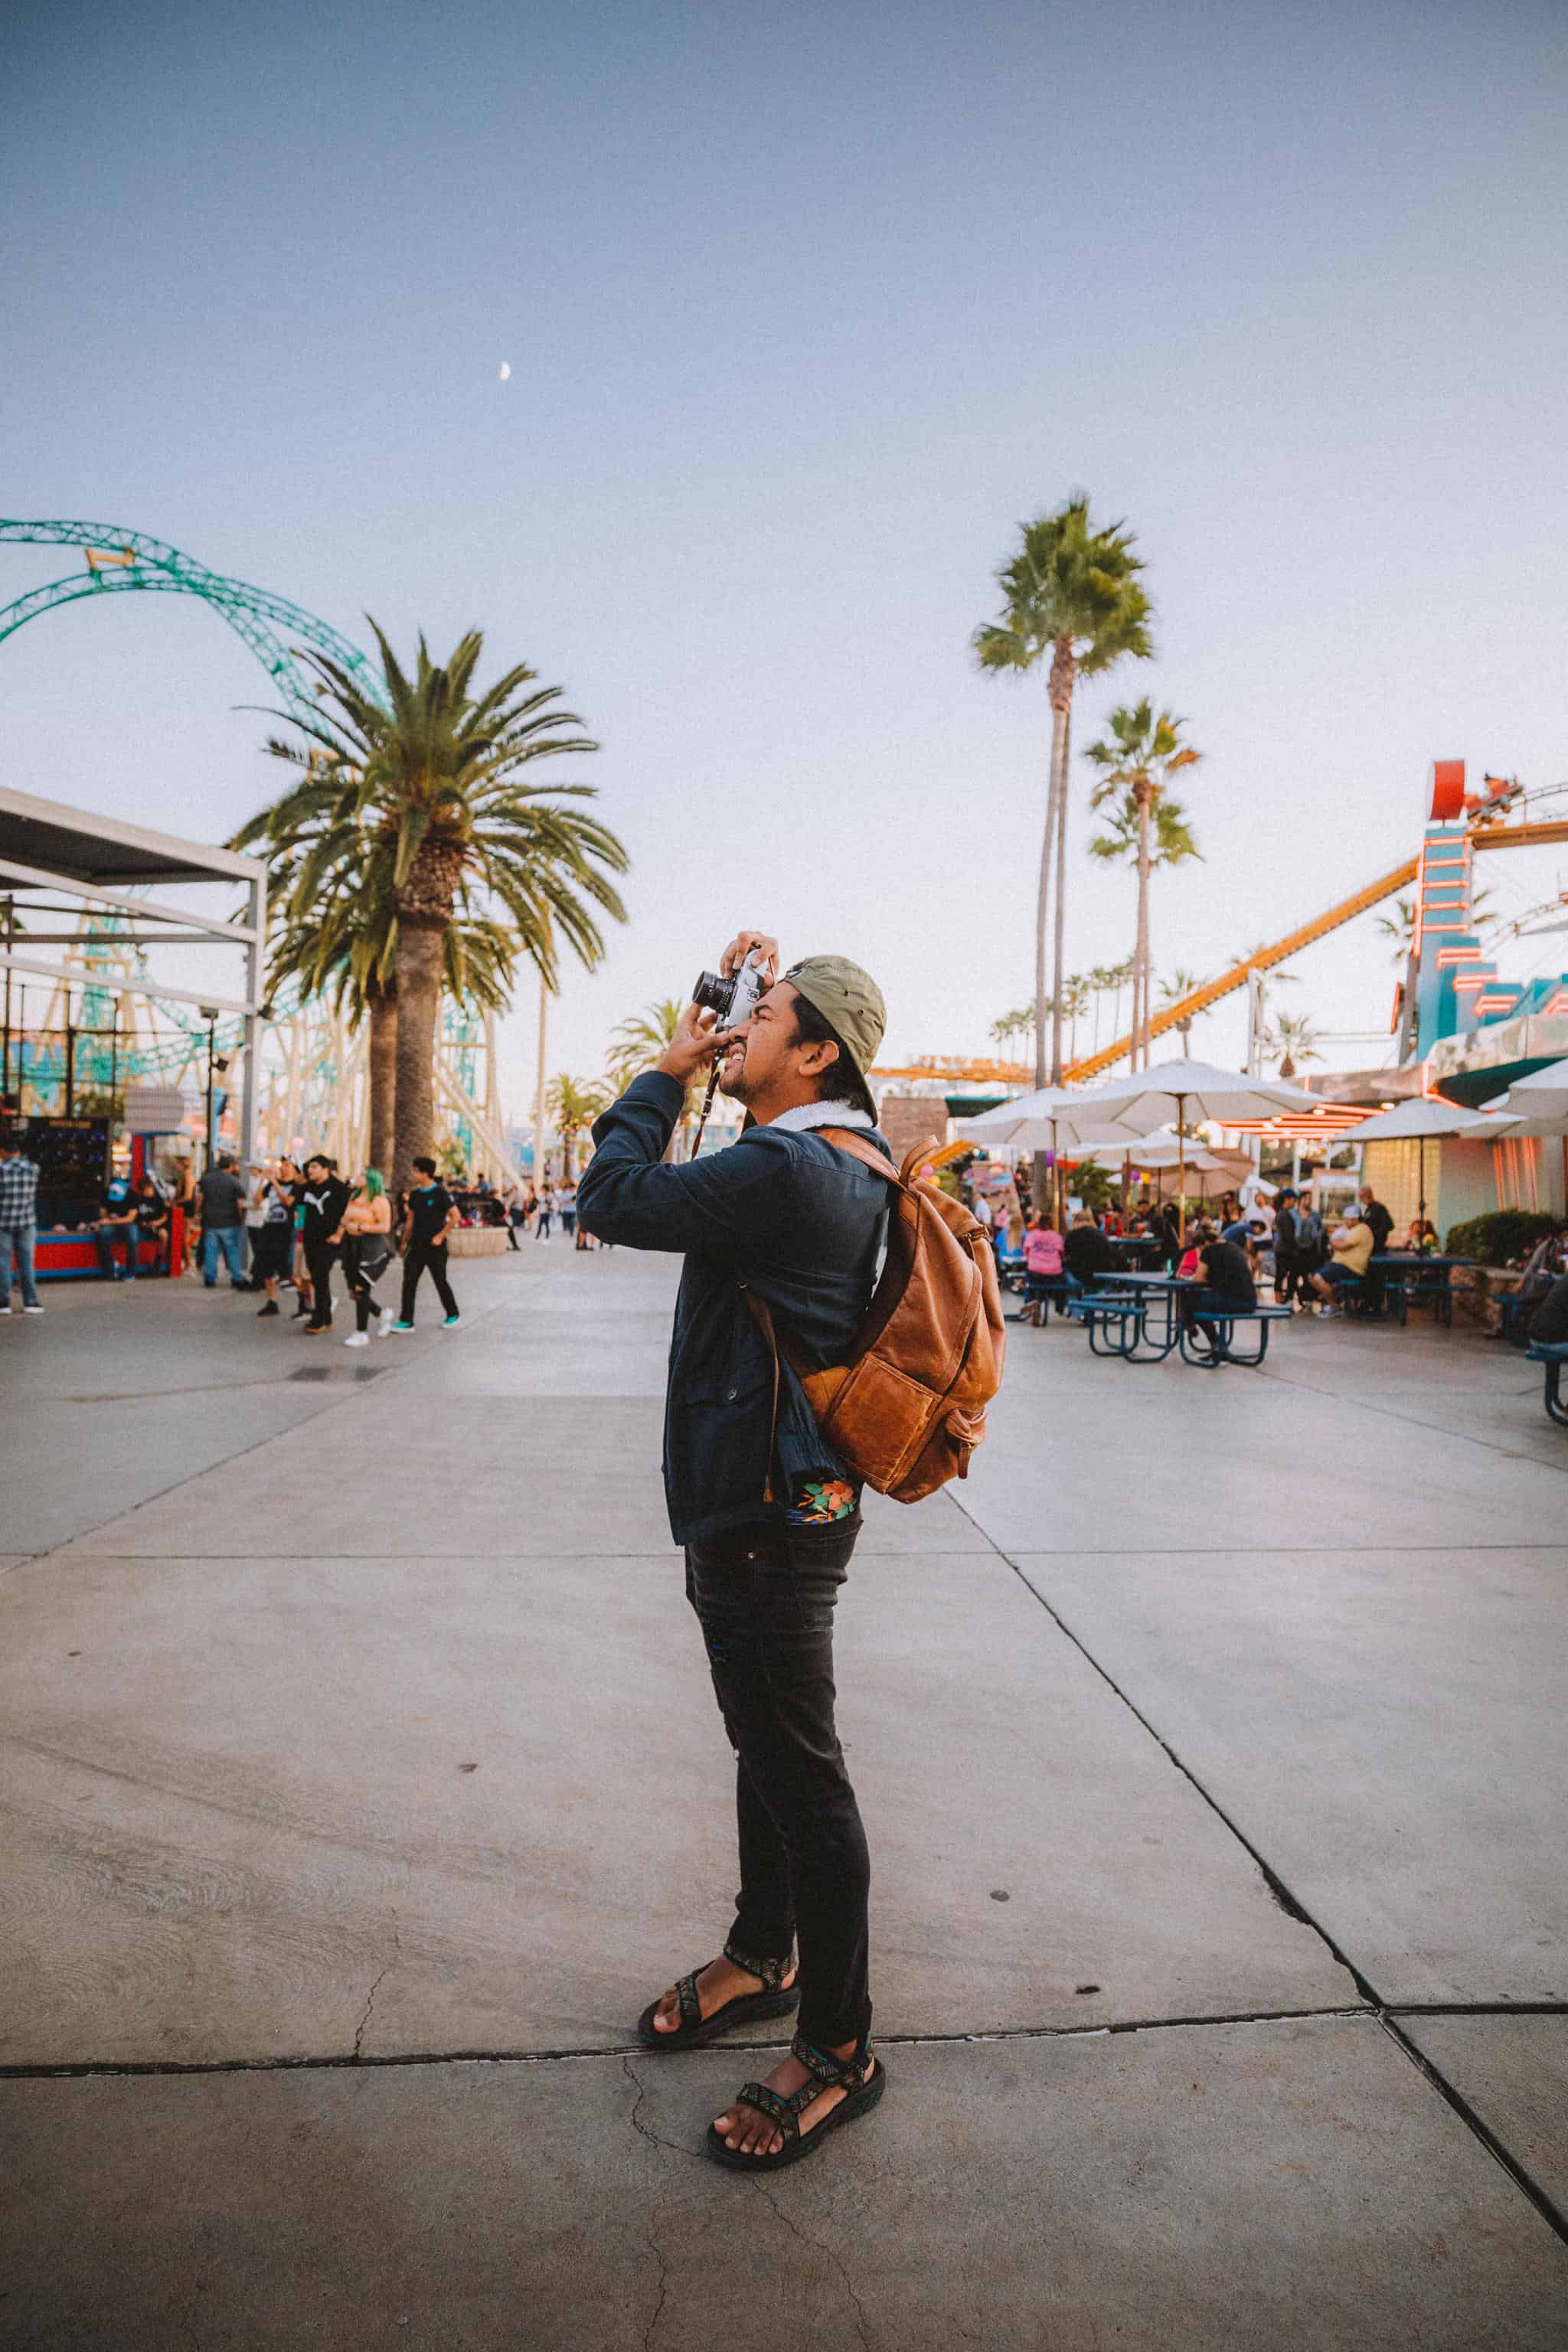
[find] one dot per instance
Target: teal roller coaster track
(118, 561)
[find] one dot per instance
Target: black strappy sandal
(776, 2000)
(827, 2073)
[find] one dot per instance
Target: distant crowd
(1312, 1263)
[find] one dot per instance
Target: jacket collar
(805, 1116)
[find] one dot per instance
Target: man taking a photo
(767, 1515)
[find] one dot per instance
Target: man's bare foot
(749, 2134)
(719, 1982)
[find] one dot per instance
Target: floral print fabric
(819, 1501)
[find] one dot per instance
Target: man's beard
(732, 1075)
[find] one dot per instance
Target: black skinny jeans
(319, 1257)
(421, 1254)
(764, 1597)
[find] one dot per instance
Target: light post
(209, 1014)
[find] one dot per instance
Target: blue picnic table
(1408, 1275)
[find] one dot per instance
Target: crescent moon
(505, 371)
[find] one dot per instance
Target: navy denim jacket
(800, 1223)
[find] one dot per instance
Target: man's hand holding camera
(701, 1033)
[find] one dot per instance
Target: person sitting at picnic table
(1221, 1282)
(1043, 1267)
(1549, 1324)
(1420, 1235)
(1350, 1254)
(1086, 1252)
(117, 1223)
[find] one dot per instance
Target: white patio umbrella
(1184, 1091)
(1422, 1116)
(1050, 1120)
(1543, 1095)
(1041, 1121)
(1165, 1151)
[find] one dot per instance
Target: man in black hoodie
(323, 1198)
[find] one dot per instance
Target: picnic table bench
(1116, 1316)
(1408, 1275)
(1554, 1354)
(1221, 1328)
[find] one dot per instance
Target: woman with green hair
(366, 1237)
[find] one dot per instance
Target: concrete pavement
(356, 1753)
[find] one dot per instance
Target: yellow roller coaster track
(1089, 1066)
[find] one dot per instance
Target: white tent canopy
(1543, 1095)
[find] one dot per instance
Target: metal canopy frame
(48, 845)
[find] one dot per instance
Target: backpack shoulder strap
(853, 1144)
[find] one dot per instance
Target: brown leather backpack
(908, 1410)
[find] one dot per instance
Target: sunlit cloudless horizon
(805, 310)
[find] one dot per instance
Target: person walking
(273, 1244)
(323, 1199)
(18, 1224)
(222, 1199)
(516, 1214)
(768, 1515)
(365, 1236)
(568, 1209)
(432, 1213)
(546, 1211)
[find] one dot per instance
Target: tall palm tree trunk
(1141, 953)
(383, 1058)
(419, 941)
(1043, 910)
(1040, 1174)
(1064, 669)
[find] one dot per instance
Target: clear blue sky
(806, 307)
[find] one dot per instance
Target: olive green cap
(850, 1001)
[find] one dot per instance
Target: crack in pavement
(657, 2252)
(370, 1997)
(646, 2131)
(818, 2247)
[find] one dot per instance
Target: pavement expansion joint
(66, 2069)
(1522, 2180)
(1550, 2212)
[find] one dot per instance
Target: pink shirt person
(1043, 1250)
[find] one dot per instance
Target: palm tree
(637, 1043)
(433, 773)
(1144, 824)
(1075, 1001)
(640, 1041)
(1110, 980)
(1072, 592)
(573, 1105)
(1172, 991)
(331, 881)
(1019, 1022)
(1294, 1039)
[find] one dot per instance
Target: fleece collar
(805, 1116)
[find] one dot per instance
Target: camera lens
(715, 993)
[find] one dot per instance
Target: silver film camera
(735, 1001)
